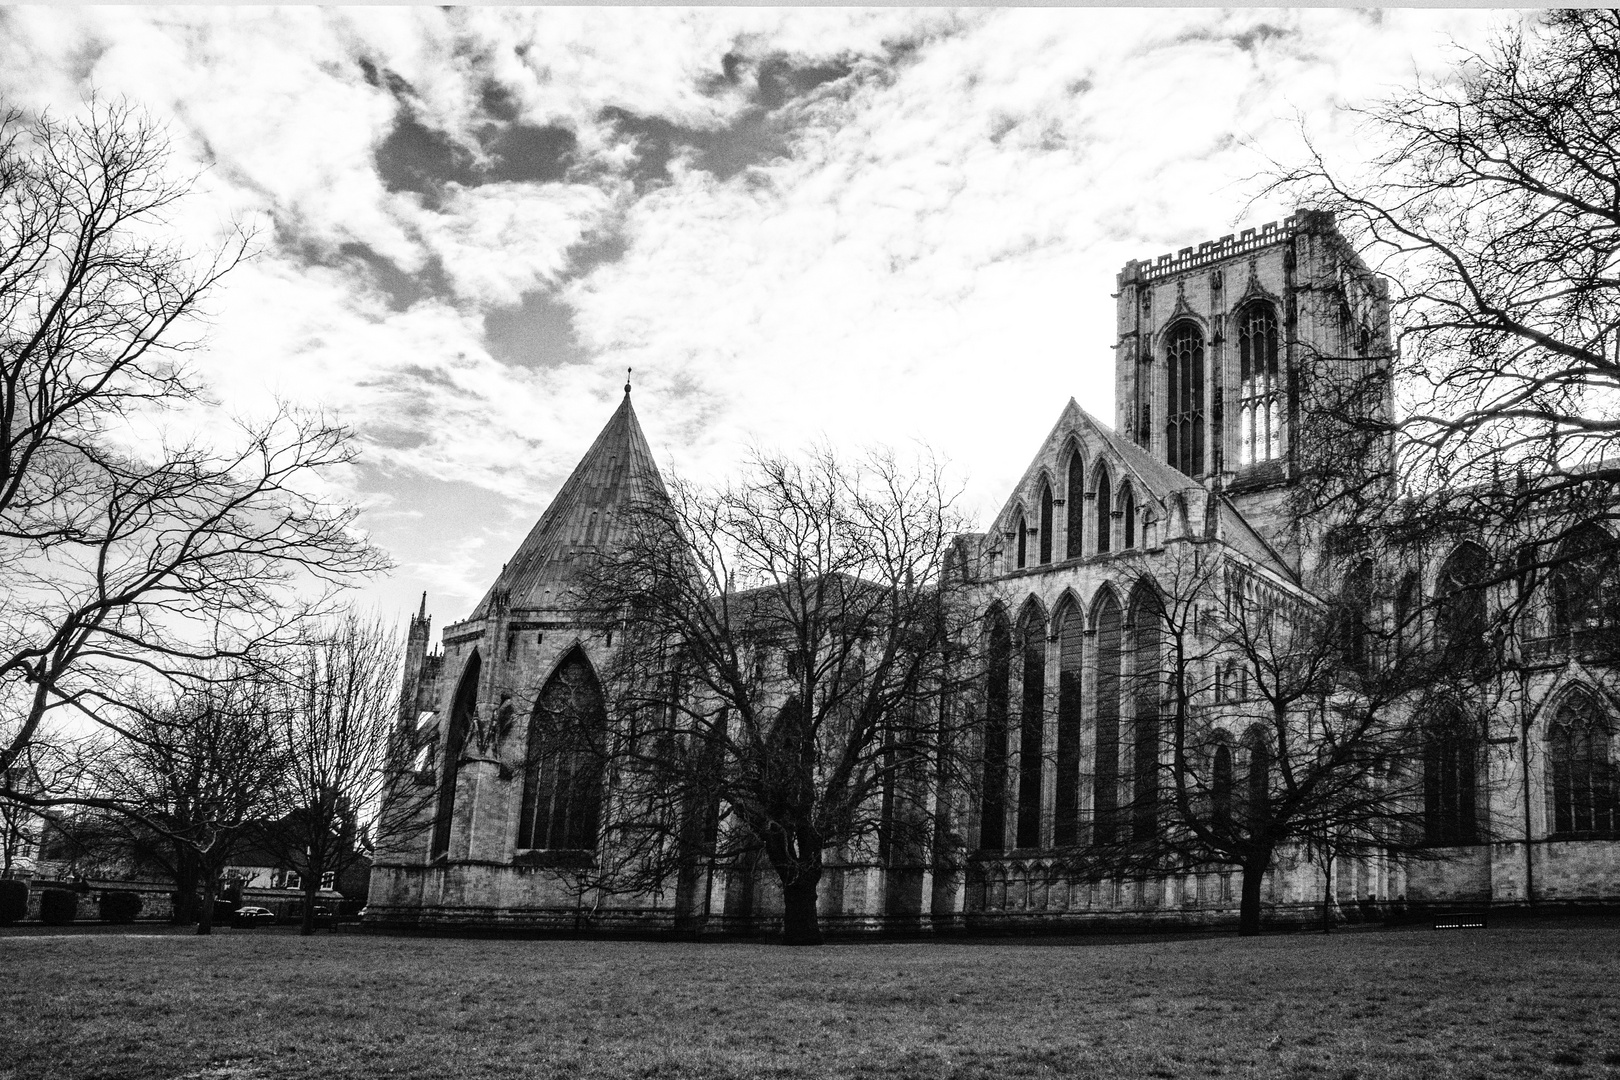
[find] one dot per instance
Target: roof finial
(627, 372)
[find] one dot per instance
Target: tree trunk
(205, 917)
(185, 892)
(312, 887)
(800, 926)
(1254, 874)
(1327, 896)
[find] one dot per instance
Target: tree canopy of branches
(1292, 720)
(1495, 213)
(183, 784)
(125, 546)
(785, 664)
(339, 700)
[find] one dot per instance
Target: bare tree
(184, 782)
(130, 554)
(1292, 718)
(1495, 214)
(787, 660)
(335, 722)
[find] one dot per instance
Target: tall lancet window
(1022, 541)
(1046, 523)
(1075, 507)
(1185, 424)
(1105, 511)
(1260, 388)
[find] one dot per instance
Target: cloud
(871, 225)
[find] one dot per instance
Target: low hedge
(120, 906)
(13, 902)
(58, 907)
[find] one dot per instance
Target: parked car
(249, 917)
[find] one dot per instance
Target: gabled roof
(1150, 476)
(1153, 479)
(1234, 530)
(615, 474)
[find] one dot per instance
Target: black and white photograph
(659, 542)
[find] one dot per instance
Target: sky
(866, 226)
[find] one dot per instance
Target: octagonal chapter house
(507, 801)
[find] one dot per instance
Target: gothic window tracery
(1461, 621)
(1184, 368)
(1582, 782)
(1585, 595)
(1260, 386)
(562, 786)
(1355, 616)
(1450, 768)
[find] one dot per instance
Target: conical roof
(585, 515)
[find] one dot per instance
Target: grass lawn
(257, 1005)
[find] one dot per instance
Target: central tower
(1224, 349)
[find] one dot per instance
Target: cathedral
(1220, 352)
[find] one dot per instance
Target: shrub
(119, 906)
(13, 902)
(58, 907)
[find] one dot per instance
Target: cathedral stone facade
(1220, 350)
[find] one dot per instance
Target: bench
(1460, 920)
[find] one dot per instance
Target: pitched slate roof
(585, 515)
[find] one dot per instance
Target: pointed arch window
(1074, 506)
(1022, 541)
(1046, 523)
(1031, 728)
(1105, 511)
(1146, 682)
(1583, 585)
(562, 781)
(1128, 511)
(1105, 789)
(463, 711)
(1184, 434)
(1451, 747)
(998, 679)
(1460, 623)
(1409, 614)
(1257, 784)
(1071, 642)
(1260, 388)
(1221, 787)
(1355, 616)
(1582, 788)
